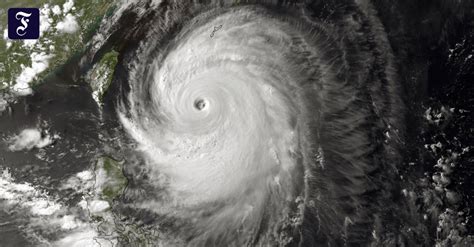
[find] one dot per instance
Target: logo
(23, 23)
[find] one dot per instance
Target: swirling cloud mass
(224, 119)
(265, 129)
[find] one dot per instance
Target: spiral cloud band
(260, 125)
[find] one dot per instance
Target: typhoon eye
(201, 104)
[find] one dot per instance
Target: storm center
(200, 104)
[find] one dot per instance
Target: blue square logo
(23, 23)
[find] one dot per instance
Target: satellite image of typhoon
(236, 123)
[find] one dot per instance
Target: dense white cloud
(39, 63)
(28, 139)
(68, 24)
(27, 196)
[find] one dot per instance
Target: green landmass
(114, 182)
(100, 76)
(15, 55)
